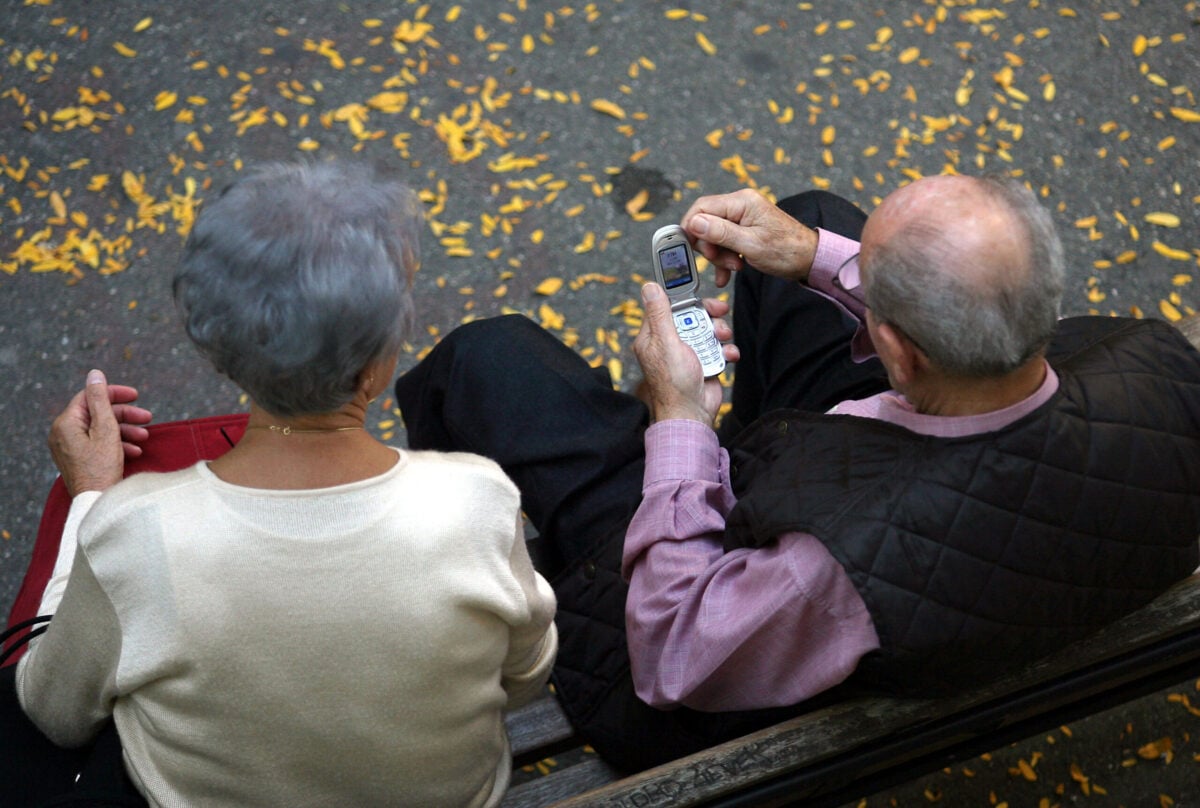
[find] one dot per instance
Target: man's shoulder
(1077, 336)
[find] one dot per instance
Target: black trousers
(506, 389)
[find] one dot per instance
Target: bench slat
(589, 773)
(537, 726)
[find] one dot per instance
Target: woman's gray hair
(296, 276)
(968, 328)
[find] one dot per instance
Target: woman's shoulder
(142, 490)
(463, 465)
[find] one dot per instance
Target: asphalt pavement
(549, 140)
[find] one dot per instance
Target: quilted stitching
(972, 552)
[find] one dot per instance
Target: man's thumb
(656, 304)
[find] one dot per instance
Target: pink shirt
(753, 628)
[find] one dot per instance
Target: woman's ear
(377, 375)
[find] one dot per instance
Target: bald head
(969, 268)
(962, 212)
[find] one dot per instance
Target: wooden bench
(840, 753)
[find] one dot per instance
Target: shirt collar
(897, 409)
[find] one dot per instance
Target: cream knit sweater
(354, 645)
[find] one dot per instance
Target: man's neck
(955, 395)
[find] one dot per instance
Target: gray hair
(296, 276)
(968, 328)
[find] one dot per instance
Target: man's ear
(904, 361)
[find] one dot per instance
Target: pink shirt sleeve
(728, 631)
(834, 275)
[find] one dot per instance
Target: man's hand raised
(675, 386)
(743, 227)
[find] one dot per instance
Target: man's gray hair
(965, 327)
(296, 276)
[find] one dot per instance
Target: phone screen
(675, 269)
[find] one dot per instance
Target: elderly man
(925, 476)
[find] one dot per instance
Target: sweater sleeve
(534, 645)
(66, 682)
(67, 545)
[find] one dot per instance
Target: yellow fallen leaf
(132, 185)
(633, 206)
(1163, 219)
(608, 108)
(124, 50)
(408, 32)
(1162, 746)
(56, 202)
(549, 286)
(705, 45)
(589, 241)
(164, 99)
(392, 102)
(143, 24)
(1171, 252)
(550, 318)
(1171, 313)
(1185, 114)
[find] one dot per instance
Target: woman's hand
(674, 383)
(99, 428)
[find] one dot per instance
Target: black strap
(20, 642)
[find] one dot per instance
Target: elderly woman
(314, 618)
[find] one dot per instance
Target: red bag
(171, 446)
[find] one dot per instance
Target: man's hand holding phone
(675, 271)
(674, 385)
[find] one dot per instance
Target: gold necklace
(287, 430)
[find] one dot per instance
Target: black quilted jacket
(977, 553)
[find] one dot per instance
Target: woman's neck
(303, 452)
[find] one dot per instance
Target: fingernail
(698, 225)
(95, 377)
(651, 291)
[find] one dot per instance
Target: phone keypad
(695, 328)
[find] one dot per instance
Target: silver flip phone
(675, 271)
